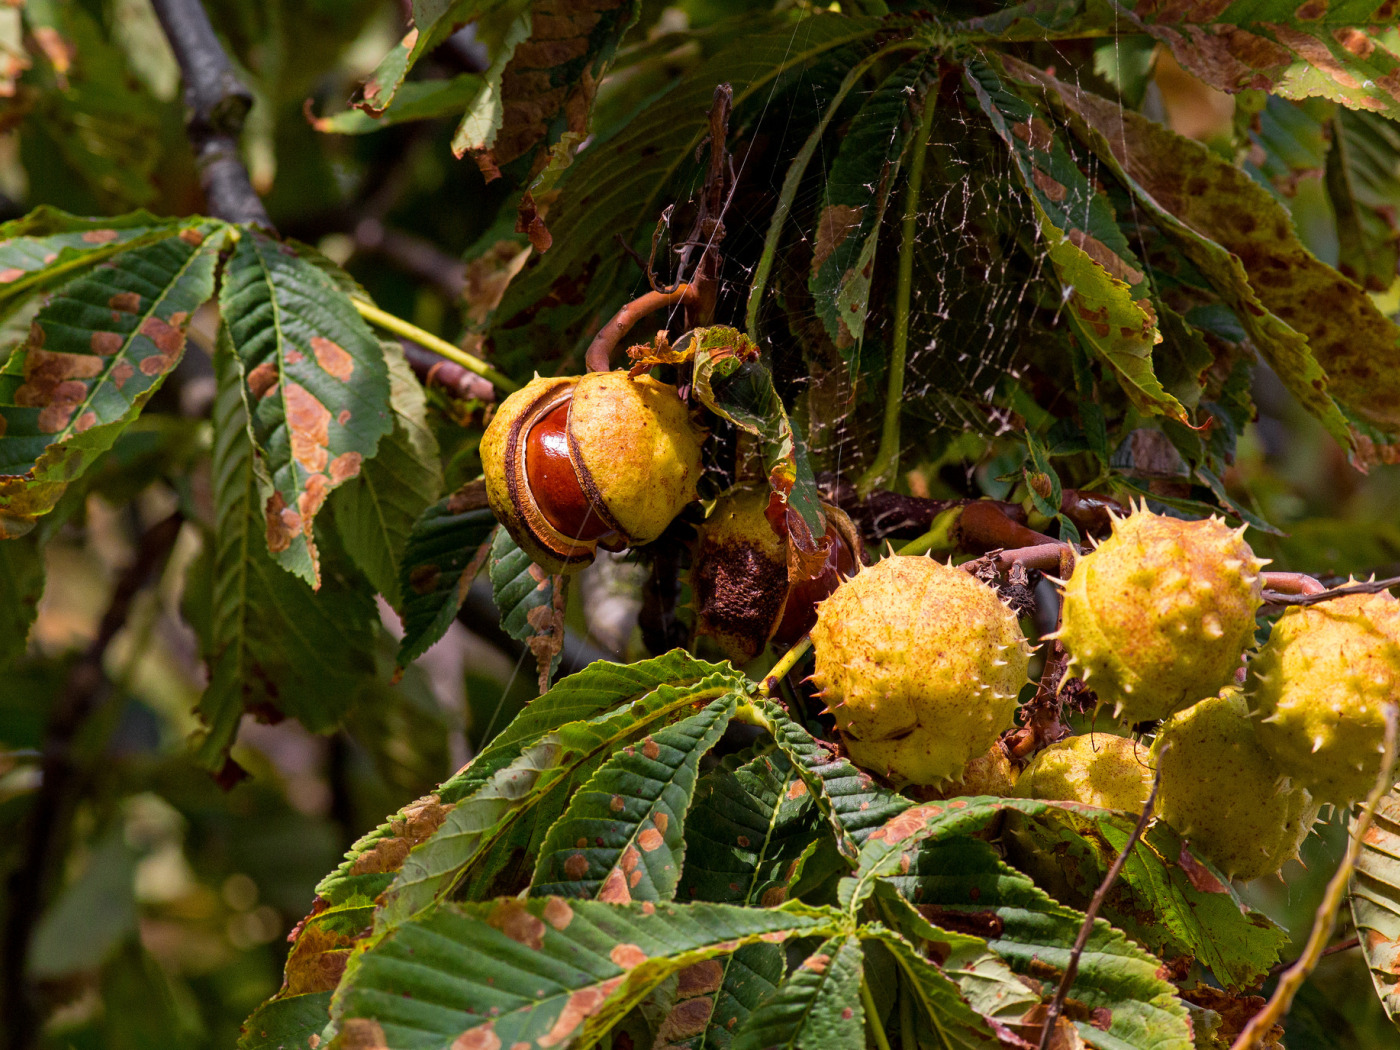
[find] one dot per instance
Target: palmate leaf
(849, 799)
(848, 224)
(751, 825)
(818, 1007)
(623, 836)
(1375, 902)
(1321, 333)
(376, 510)
(620, 185)
(1165, 897)
(546, 971)
(1103, 282)
(531, 603)
(316, 387)
(445, 549)
(273, 643)
(49, 245)
(96, 353)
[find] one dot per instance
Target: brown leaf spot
(776, 937)
(1054, 190)
(10, 274)
(743, 840)
(688, 1019)
(317, 959)
(796, 790)
(343, 416)
(700, 979)
(1034, 132)
(837, 222)
(332, 357)
(582, 1005)
(630, 859)
(309, 503)
(345, 466)
(576, 866)
(773, 896)
(361, 1033)
(106, 343)
(558, 913)
(482, 1037)
(616, 804)
(415, 824)
(262, 379)
(650, 839)
(86, 421)
(121, 372)
(662, 822)
(56, 384)
(817, 963)
(125, 302)
(651, 749)
(280, 525)
(309, 423)
(1311, 10)
(100, 236)
(1198, 873)
(192, 237)
(169, 340)
(900, 827)
(1316, 53)
(614, 889)
(627, 956)
(424, 578)
(512, 918)
(1105, 256)
(648, 908)
(847, 1014)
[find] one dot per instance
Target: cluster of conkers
(581, 462)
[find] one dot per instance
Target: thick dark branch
(216, 102)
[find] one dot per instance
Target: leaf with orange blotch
(545, 972)
(819, 1005)
(1375, 902)
(623, 836)
(96, 353)
(316, 387)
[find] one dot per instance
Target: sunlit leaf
(1375, 902)
(817, 1007)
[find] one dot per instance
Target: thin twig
(1288, 985)
(1058, 1002)
(1332, 949)
(216, 102)
(598, 357)
(85, 691)
(1275, 595)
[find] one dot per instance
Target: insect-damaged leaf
(818, 1007)
(858, 188)
(274, 645)
(545, 971)
(96, 353)
(433, 22)
(1299, 312)
(541, 83)
(376, 510)
(1098, 272)
(316, 387)
(417, 100)
(286, 1022)
(622, 837)
(1375, 902)
(531, 603)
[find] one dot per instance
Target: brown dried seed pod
(575, 463)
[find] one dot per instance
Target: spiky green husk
(1224, 794)
(920, 663)
(1096, 769)
(1318, 690)
(1158, 616)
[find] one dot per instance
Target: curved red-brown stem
(599, 355)
(1291, 583)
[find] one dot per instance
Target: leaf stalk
(455, 354)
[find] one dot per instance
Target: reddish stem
(1291, 583)
(599, 355)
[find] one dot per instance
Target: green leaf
(849, 798)
(818, 1006)
(1363, 181)
(376, 510)
(433, 22)
(49, 245)
(445, 549)
(476, 842)
(1100, 277)
(273, 642)
(21, 587)
(733, 382)
(751, 825)
(284, 1023)
(540, 969)
(316, 387)
(1375, 902)
(96, 353)
(621, 185)
(417, 100)
(630, 817)
(1322, 334)
(858, 189)
(531, 603)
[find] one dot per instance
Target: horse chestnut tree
(835, 524)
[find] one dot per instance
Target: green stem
(796, 170)
(907, 1038)
(886, 461)
(456, 354)
(784, 665)
(872, 1016)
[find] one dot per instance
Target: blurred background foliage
(170, 898)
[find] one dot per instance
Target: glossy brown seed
(553, 482)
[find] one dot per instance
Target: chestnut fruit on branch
(579, 462)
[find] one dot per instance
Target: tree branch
(216, 102)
